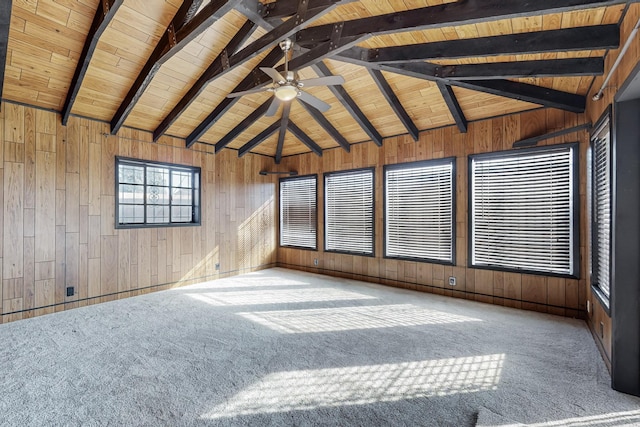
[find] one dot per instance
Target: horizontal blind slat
(298, 212)
(522, 210)
(602, 209)
(349, 212)
(419, 212)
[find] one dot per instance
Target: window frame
(411, 165)
(575, 203)
(292, 178)
(373, 213)
(196, 204)
(603, 299)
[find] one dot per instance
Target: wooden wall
(546, 294)
(57, 223)
(598, 315)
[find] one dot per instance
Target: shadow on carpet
(279, 348)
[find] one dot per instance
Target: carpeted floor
(279, 347)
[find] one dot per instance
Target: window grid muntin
(190, 213)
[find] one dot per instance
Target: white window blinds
(348, 198)
(522, 210)
(601, 207)
(419, 209)
(298, 214)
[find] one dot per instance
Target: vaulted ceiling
(167, 66)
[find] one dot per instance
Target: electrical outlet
(315, 261)
(217, 266)
(452, 281)
(70, 291)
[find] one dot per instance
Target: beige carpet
(279, 347)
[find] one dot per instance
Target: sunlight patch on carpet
(351, 318)
(361, 385)
(276, 296)
(246, 282)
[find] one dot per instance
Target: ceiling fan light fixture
(286, 92)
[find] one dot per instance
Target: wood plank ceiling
(167, 66)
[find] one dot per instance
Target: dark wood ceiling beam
(394, 103)
(255, 14)
(327, 126)
(253, 79)
(523, 69)
(359, 56)
(187, 24)
(284, 8)
(305, 139)
(546, 97)
(254, 10)
(454, 106)
(564, 40)
(284, 122)
(238, 40)
(176, 36)
(243, 125)
(303, 17)
(350, 105)
(259, 139)
(448, 15)
(258, 78)
(530, 142)
(324, 50)
(506, 88)
(193, 9)
(105, 12)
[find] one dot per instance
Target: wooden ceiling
(166, 66)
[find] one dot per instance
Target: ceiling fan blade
(313, 101)
(276, 76)
(323, 81)
(273, 107)
(247, 92)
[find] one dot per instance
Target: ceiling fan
(288, 86)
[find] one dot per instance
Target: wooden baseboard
(474, 296)
(80, 302)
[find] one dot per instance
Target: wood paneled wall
(57, 185)
(599, 321)
(546, 294)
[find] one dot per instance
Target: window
(419, 211)
(522, 208)
(298, 212)
(348, 212)
(601, 208)
(156, 194)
